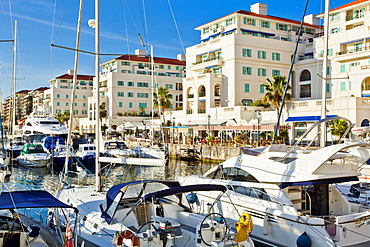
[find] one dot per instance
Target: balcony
(354, 16)
(189, 112)
(351, 51)
(190, 96)
(202, 94)
(201, 111)
(213, 61)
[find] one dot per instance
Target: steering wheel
(215, 219)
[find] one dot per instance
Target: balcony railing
(352, 51)
(354, 16)
(201, 111)
(202, 94)
(365, 87)
(189, 112)
(206, 60)
(190, 96)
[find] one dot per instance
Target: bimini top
(50, 142)
(183, 189)
(30, 199)
(134, 189)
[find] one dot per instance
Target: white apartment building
(57, 99)
(238, 52)
(126, 87)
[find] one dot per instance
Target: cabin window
(234, 174)
(249, 191)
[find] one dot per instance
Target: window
(261, 54)
(75, 104)
(328, 70)
(125, 63)
(130, 84)
(142, 105)
(67, 96)
(121, 94)
(249, 21)
(262, 89)
(246, 87)
(143, 84)
(275, 72)
(330, 52)
(168, 86)
(58, 96)
(350, 85)
(141, 72)
(120, 104)
(75, 111)
(67, 104)
(335, 16)
(83, 112)
(58, 103)
(130, 94)
(142, 95)
(357, 47)
(276, 56)
(58, 111)
(261, 72)
(246, 52)
(230, 21)
(84, 104)
(161, 66)
(342, 86)
(282, 27)
(265, 24)
(247, 70)
(84, 96)
(334, 30)
(130, 104)
(328, 86)
(126, 71)
(75, 96)
(120, 83)
(342, 68)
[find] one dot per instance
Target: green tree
(161, 100)
(63, 117)
(275, 92)
(338, 127)
(260, 103)
(142, 111)
(103, 113)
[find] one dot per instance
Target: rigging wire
(177, 28)
(290, 73)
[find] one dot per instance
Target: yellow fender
(243, 228)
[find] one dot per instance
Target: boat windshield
(233, 174)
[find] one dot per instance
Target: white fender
(266, 225)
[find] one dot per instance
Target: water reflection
(47, 178)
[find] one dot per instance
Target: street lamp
(258, 116)
(173, 130)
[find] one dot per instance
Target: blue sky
(42, 22)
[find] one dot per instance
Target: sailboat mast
(325, 74)
(14, 77)
(152, 90)
(97, 108)
(74, 83)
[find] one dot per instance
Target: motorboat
(118, 149)
(152, 213)
(22, 230)
(43, 123)
(150, 152)
(33, 155)
(86, 153)
(57, 148)
(189, 154)
(291, 193)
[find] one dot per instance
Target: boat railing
(315, 125)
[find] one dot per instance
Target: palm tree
(161, 100)
(275, 91)
(62, 117)
(338, 127)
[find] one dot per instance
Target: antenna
(141, 40)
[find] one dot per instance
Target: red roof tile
(79, 77)
(157, 60)
(267, 17)
(348, 5)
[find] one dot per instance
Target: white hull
(38, 162)
(134, 161)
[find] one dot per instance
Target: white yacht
(42, 122)
(292, 193)
(33, 155)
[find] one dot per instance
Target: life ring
(126, 234)
(244, 227)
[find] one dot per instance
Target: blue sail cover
(183, 189)
(115, 193)
(30, 199)
(50, 142)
